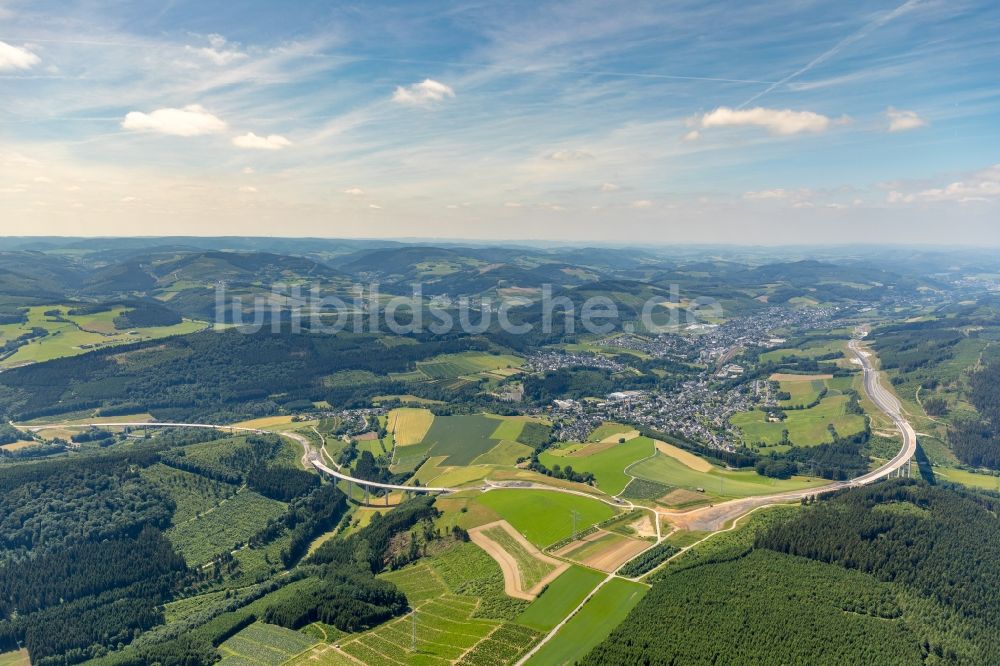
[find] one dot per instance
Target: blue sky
(654, 122)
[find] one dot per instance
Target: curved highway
(310, 456)
(707, 518)
(713, 518)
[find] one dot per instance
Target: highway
(309, 457)
(709, 518)
(712, 518)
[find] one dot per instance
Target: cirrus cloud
(191, 120)
(251, 141)
(16, 57)
(775, 121)
(424, 93)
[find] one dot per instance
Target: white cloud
(565, 155)
(354, 191)
(512, 204)
(192, 120)
(424, 93)
(42, 179)
(16, 57)
(217, 53)
(981, 186)
(248, 170)
(767, 194)
(900, 121)
(129, 199)
(253, 142)
(609, 187)
(693, 135)
(375, 206)
(248, 189)
(776, 121)
(642, 203)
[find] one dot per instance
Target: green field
(461, 438)
(263, 644)
(509, 429)
(78, 334)
(607, 429)
(504, 453)
(223, 528)
(809, 350)
(802, 392)
(450, 366)
(608, 466)
(561, 596)
(605, 610)
(967, 478)
(806, 427)
(719, 482)
(532, 569)
(543, 516)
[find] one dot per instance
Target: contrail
(847, 41)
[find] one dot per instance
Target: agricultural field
(263, 644)
(718, 482)
(604, 551)
(224, 528)
(461, 438)
(968, 478)
(69, 335)
(592, 624)
(803, 391)
(608, 429)
(543, 516)
(811, 349)
(409, 425)
(560, 597)
(505, 454)
(606, 463)
(15, 658)
(465, 364)
(806, 427)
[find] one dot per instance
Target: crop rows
(503, 646)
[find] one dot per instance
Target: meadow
(560, 597)
(718, 482)
(77, 334)
(806, 427)
(608, 429)
(607, 465)
(603, 612)
(543, 516)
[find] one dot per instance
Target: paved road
(708, 518)
(715, 517)
(309, 455)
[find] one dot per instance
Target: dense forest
(976, 441)
(897, 573)
(214, 376)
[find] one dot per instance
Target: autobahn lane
(309, 455)
(713, 518)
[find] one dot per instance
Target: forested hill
(219, 376)
(898, 573)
